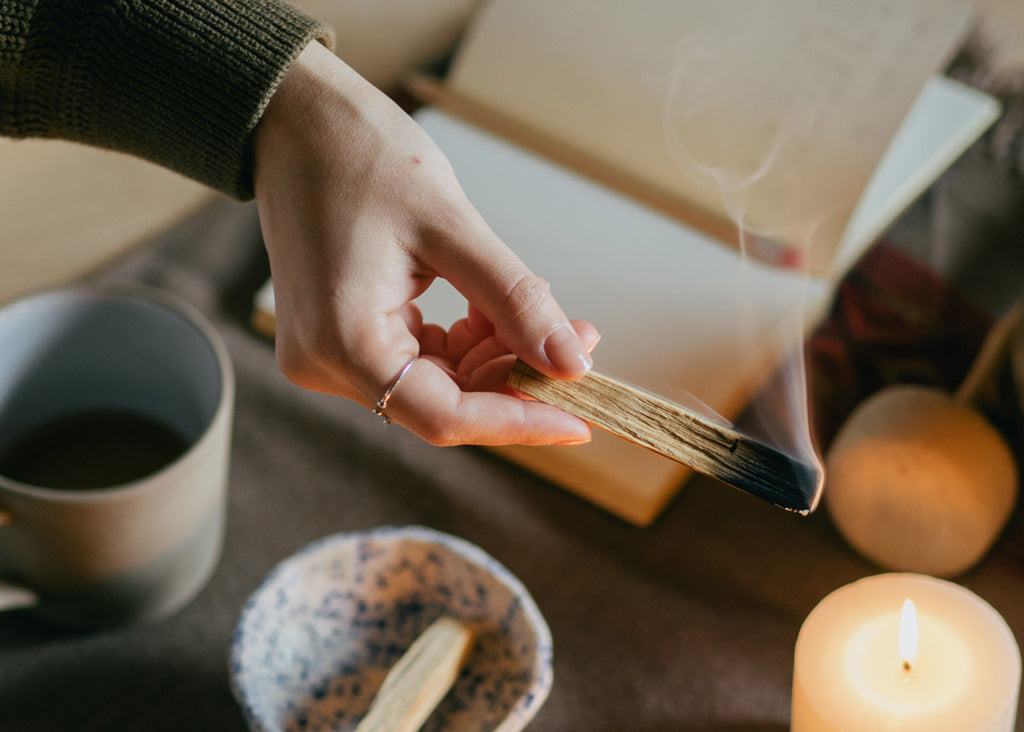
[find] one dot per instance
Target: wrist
(318, 95)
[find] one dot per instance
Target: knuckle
(294, 367)
(529, 295)
(453, 223)
(310, 359)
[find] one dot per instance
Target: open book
(694, 178)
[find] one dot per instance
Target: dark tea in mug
(92, 448)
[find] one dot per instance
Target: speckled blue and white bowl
(316, 639)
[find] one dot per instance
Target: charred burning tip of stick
(799, 487)
(680, 434)
(783, 480)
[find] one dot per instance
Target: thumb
(526, 317)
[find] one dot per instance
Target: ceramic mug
(115, 425)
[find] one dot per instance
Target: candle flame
(908, 635)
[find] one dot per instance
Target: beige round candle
(852, 673)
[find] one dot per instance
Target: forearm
(182, 84)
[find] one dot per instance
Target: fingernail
(566, 353)
(573, 442)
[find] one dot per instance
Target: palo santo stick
(671, 430)
(420, 679)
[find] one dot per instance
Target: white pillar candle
(853, 674)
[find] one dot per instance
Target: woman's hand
(360, 213)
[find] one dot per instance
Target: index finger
(526, 316)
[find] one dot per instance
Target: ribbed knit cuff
(179, 82)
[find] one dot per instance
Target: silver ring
(382, 403)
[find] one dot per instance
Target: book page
(945, 119)
(772, 113)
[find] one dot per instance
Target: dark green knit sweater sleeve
(179, 82)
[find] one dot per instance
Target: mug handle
(12, 596)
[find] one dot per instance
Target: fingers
(454, 343)
(431, 405)
(449, 402)
(491, 348)
(526, 317)
(413, 318)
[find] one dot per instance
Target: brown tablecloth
(686, 625)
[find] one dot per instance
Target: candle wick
(906, 666)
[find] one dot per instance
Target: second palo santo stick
(675, 432)
(420, 679)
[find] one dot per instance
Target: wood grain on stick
(678, 433)
(421, 678)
